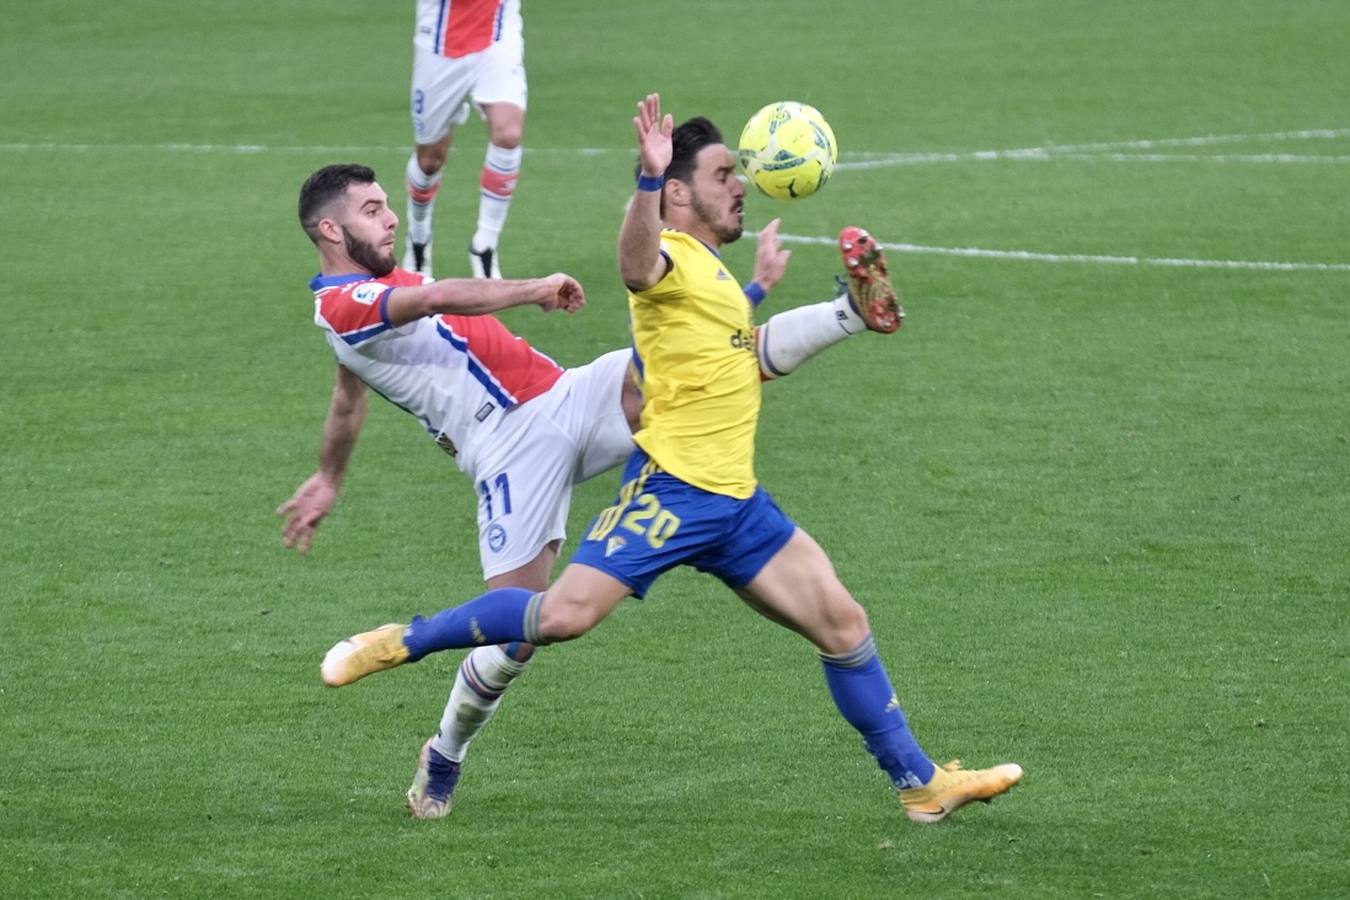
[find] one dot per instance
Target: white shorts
(442, 88)
(524, 469)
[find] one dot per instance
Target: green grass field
(1095, 496)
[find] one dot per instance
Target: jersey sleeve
(357, 313)
(671, 284)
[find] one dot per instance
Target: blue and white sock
(483, 677)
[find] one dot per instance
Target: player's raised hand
(653, 132)
(771, 259)
(305, 510)
(562, 292)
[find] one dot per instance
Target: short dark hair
(325, 186)
(687, 140)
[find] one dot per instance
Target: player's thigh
(501, 78)
(798, 588)
(524, 494)
(592, 413)
(506, 124)
(533, 575)
(440, 90)
(578, 601)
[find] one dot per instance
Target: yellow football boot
(953, 787)
(364, 654)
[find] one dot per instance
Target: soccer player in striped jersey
(466, 53)
(522, 428)
(690, 495)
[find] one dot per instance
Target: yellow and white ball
(787, 150)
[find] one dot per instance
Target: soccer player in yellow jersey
(690, 496)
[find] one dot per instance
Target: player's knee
(847, 624)
(565, 617)
(431, 158)
(507, 137)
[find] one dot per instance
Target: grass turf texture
(1097, 512)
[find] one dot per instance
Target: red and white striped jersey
(457, 28)
(454, 373)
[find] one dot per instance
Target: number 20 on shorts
(642, 516)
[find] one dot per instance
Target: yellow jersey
(694, 337)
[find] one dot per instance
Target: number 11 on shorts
(501, 486)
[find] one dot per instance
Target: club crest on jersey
(369, 292)
(496, 537)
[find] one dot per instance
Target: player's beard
(722, 231)
(368, 255)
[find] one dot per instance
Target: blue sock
(497, 617)
(864, 695)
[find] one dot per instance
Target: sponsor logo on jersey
(484, 411)
(369, 292)
(722, 275)
(743, 341)
(613, 545)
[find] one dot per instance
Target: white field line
(245, 149)
(869, 159)
(1285, 158)
(1056, 151)
(1094, 259)
(1039, 154)
(1093, 151)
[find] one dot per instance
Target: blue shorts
(660, 522)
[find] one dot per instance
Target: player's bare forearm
(481, 296)
(314, 499)
(640, 262)
(346, 415)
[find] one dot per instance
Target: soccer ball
(787, 150)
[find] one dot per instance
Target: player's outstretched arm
(314, 499)
(479, 296)
(641, 264)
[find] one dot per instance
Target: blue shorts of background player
(660, 522)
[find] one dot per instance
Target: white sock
(790, 338)
(501, 170)
(482, 678)
(422, 190)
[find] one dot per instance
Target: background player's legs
(501, 171)
(423, 181)
(440, 88)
